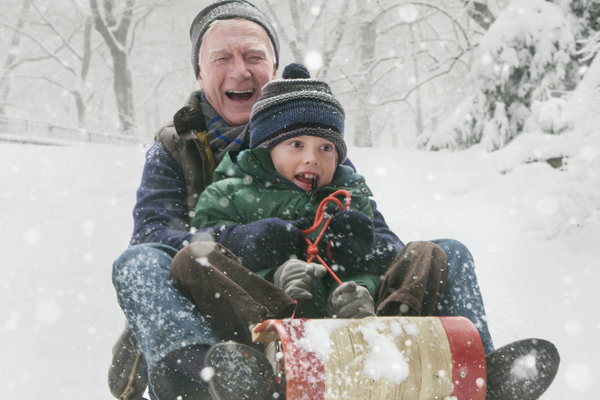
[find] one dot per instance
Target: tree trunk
(417, 75)
(115, 32)
(123, 87)
(11, 57)
(366, 53)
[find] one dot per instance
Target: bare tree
(396, 59)
(64, 40)
(311, 26)
(115, 28)
(11, 62)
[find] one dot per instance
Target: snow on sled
(376, 358)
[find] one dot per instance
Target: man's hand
(266, 243)
(350, 301)
(295, 277)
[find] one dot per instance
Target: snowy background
(65, 211)
(533, 230)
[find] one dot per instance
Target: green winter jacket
(246, 187)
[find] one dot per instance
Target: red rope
(312, 251)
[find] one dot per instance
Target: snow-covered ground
(65, 214)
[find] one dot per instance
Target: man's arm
(160, 213)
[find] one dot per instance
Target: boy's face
(307, 161)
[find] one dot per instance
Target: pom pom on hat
(295, 71)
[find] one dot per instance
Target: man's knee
(454, 249)
(139, 260)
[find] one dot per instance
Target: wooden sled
(408, 358)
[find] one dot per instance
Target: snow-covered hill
(65, 215)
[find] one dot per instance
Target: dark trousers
(233, 298)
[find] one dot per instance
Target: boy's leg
(414, 282)
(463, 296)
(161, 318)
(230, 296)
(233, 298)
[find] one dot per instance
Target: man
(235, 51)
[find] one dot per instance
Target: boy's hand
(350, 301)
(295, 277)
(353, 236)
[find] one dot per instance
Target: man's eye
(295, 143)
(221, 59)
(327, 147)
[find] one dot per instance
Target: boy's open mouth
(239, 94)
(309, 179)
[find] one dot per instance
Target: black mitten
(266, 243)
(353, 237)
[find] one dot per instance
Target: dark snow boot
(522, 370)
(127, 376)
(239, 372)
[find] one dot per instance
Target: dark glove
(295, 277)
(266, 243)
(350, 301)
(353, 236)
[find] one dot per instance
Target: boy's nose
(310, 157)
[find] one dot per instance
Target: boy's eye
(327, 147)
(295, 143)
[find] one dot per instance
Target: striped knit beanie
(229, 9)
(297, 105)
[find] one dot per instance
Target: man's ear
(199, 78)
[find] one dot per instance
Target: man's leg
(463, 296)
(161, 318)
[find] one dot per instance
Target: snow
(384, 359)
(533, 230)
(316, 338)
(525, 367)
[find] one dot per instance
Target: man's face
(236, 60)
(307, 161)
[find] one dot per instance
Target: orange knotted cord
(312, 251)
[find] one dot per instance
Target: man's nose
(239, 69)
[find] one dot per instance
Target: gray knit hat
(297, 105)
(229, 9)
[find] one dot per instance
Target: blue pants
(162, 319)
(462, 296)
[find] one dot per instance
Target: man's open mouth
(239, 94)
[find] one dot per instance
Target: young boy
(261, 199)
